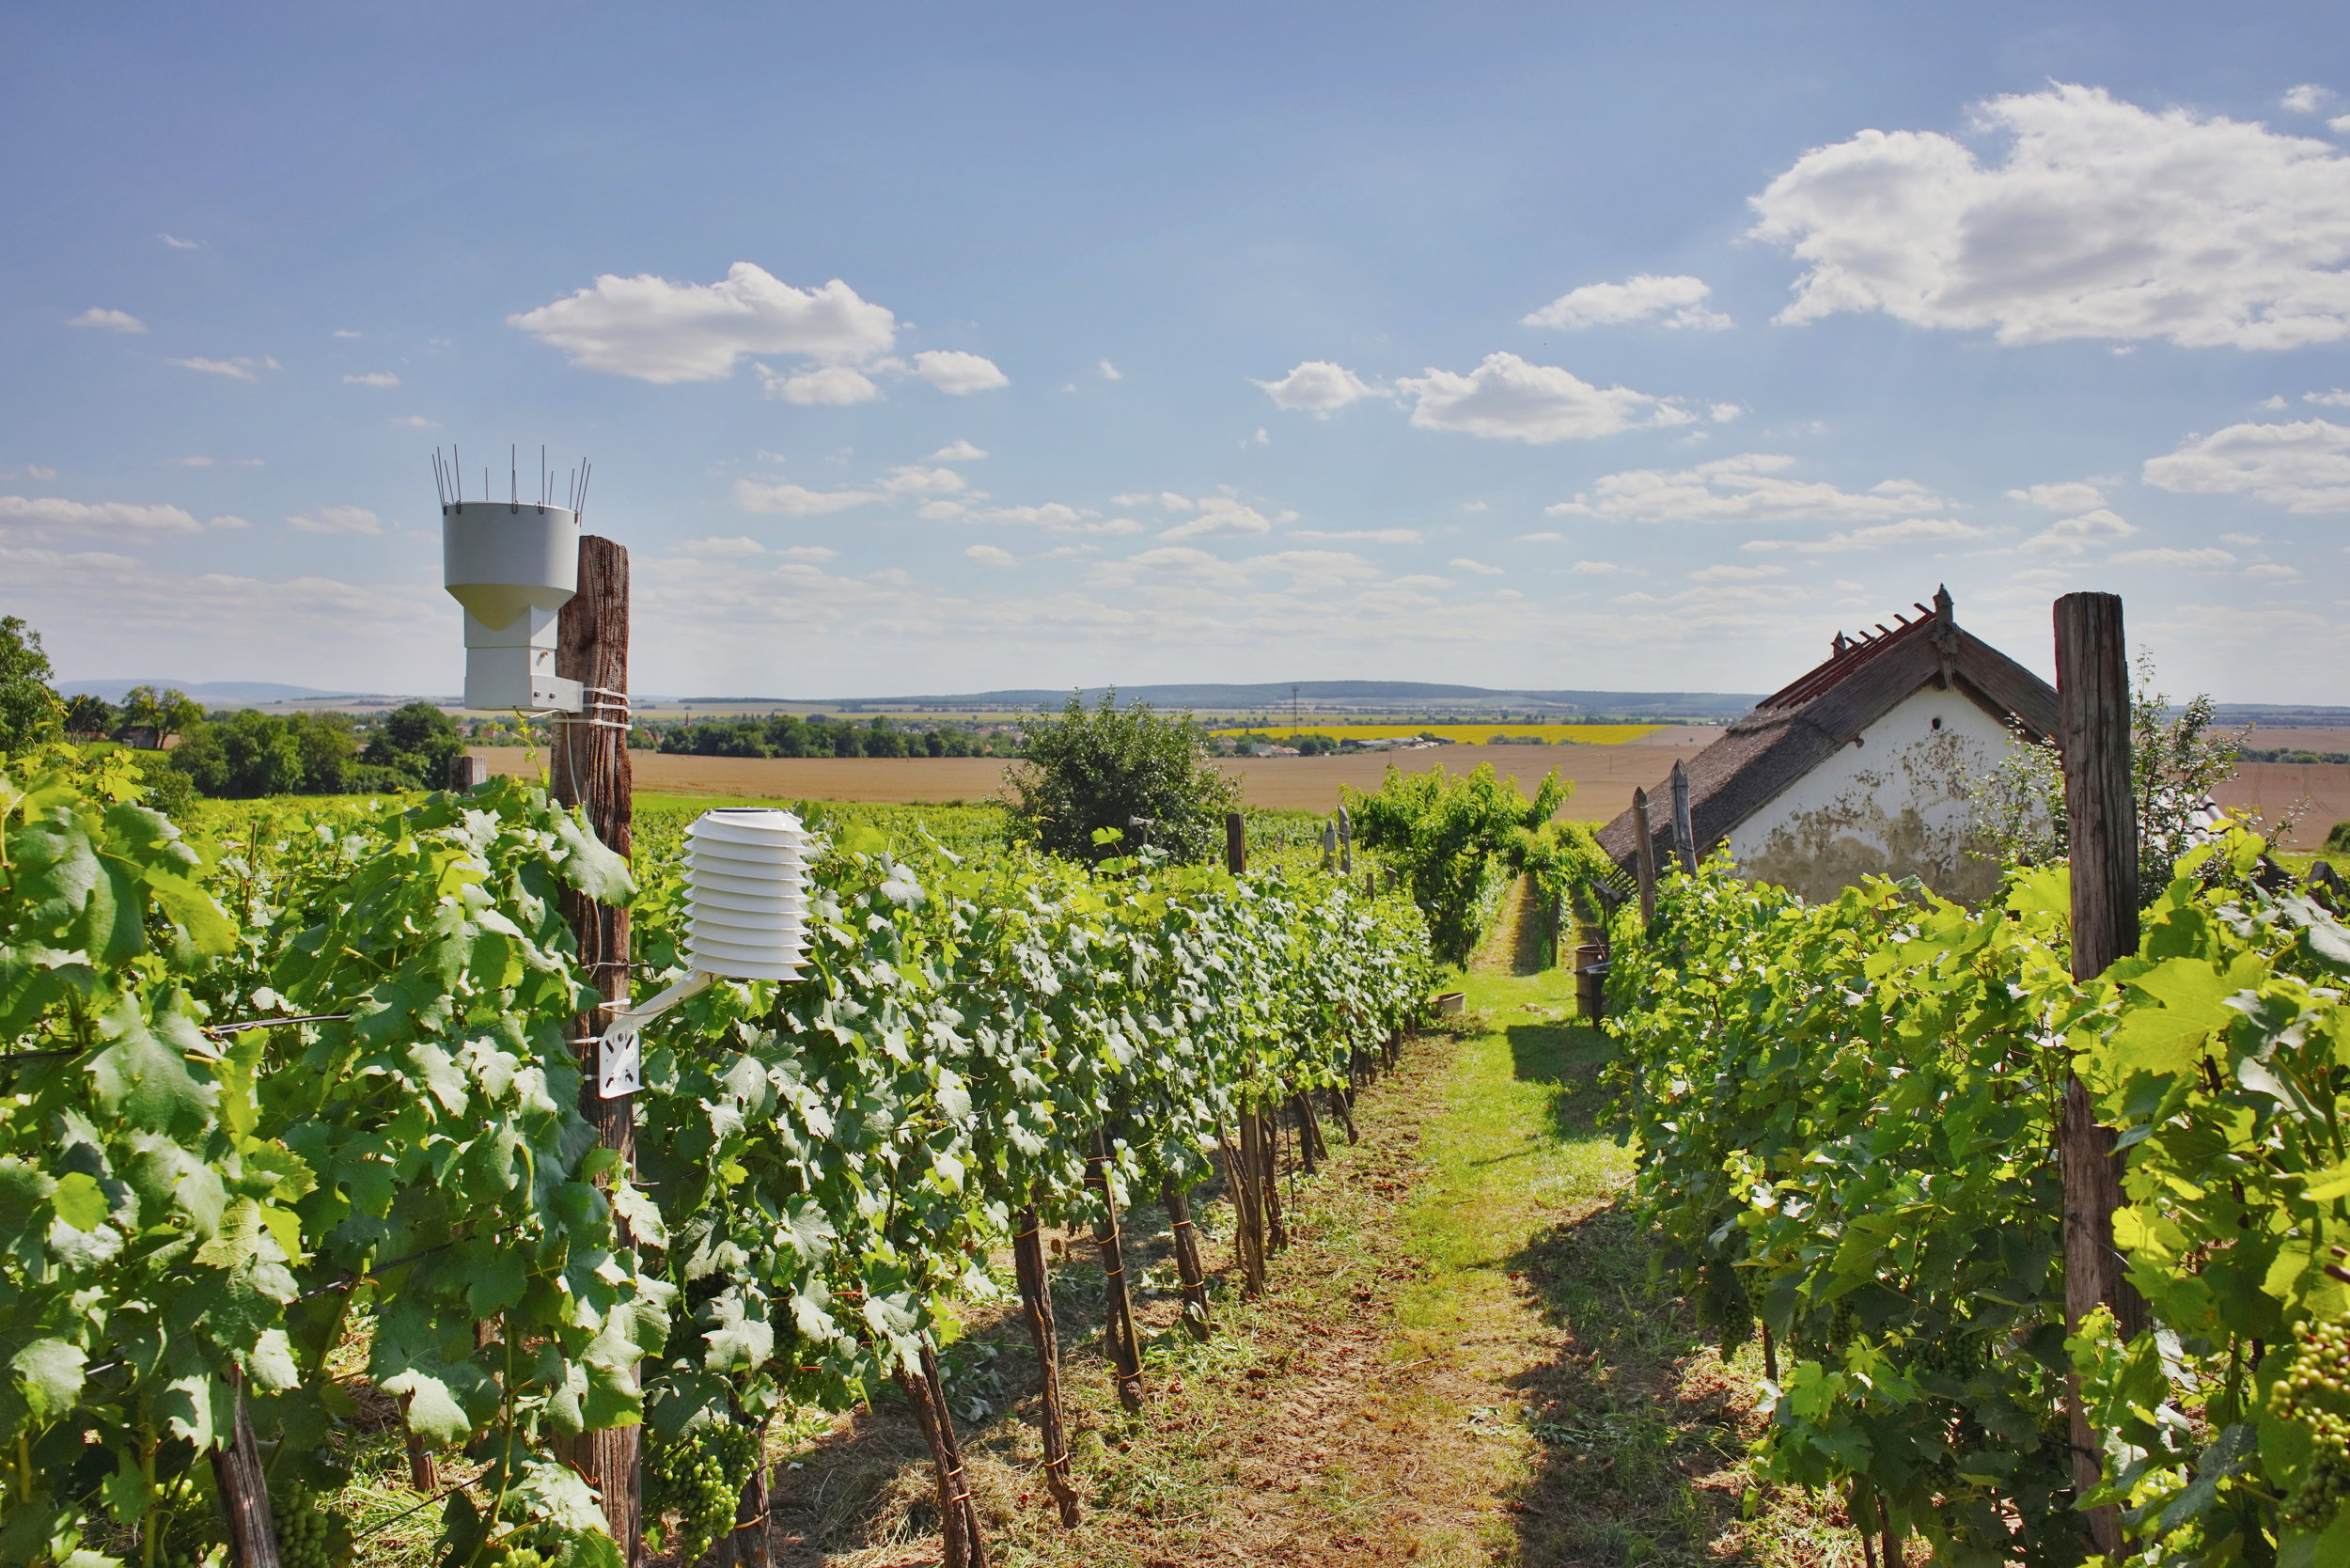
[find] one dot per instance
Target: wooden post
(1036, 1295)
(931, 1416)
(1240, 1164)
(1684, 832)
(1329, 845)
(244, 1488)
(2101, 816)
(1647, 858)
(1346, 843)
(1235, 844)
(589, 765)
(1187, 1269)
(1125, 1348)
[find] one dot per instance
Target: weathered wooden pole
(1684, 831)
(2101, 818)
(1646, 858)
(1329, 845)
(1187, 1266)
(244, 1488)
(1036, 1295)
(589, 767)
(1124, 1346)
(1346, 843)
(1235, 844)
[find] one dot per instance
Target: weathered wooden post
(589, 765)
(244, 1487)
(2101, 816)
(1346, 843)
(1646, 858)
(1235, 844)
(1684, 831)
(1329, 845)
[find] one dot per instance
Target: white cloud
(1750, 488)
(1722, 414)
(2338, 125)
(914, 479)
(1053, 517)
(1913, 530)
(2272, 571)
(337, 519)
(2306, 98)
(2241, 538)
(1505, 399)
(56, 512)
(229, 522)
(2073, 535)
(989, 555)
(1466, 564)
(1111, 372)
(373, 378)
(178, 243)
(732, 545)
(1475, 505)
(201, 461)
(829, 383)
(2275, 401)
(2336, 399)
(2068, 496)
(416, 422)
(2104, 221)
(1679, 301)
(792, 500)
(108, 321)
(1728, 574)
(1367, 535)
(1262, 438)
(1603, 569)
(1317, 387)
(957, 374)
(2303, 467)
(1546, 536)
(2166, 556)
(30, 471)
(239, 369)
(346, 332)
(1302, 568)
(957, 451)
(1222, 515)
(663, 332)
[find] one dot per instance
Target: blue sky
(1545, 346)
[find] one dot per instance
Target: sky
(937, 348)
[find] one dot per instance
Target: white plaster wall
(1894, 803)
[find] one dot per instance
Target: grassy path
(1460, 1362)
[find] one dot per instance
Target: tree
(89, 716)
(2175, 765)
(417, 743)
(1085, 771)
(169, 711)
(246, 755)
(29, 709)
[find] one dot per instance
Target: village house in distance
(1862, 766)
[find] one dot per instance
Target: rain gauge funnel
(513, 565)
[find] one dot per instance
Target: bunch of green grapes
(308, 1535)
(698, 1476)
(2316, 1392)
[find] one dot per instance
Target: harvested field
(1605, 776)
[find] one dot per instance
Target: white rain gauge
(746, 911)
(513, 565)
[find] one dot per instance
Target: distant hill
(211, 693)
(1327, 698)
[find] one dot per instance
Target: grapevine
(698, 1476)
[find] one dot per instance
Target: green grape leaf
(80, 1201)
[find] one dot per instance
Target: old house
(1863, 764)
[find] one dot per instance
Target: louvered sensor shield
(747, 884)
(746, 907)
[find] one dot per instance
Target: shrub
(2338, 841)
(1087, 771)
